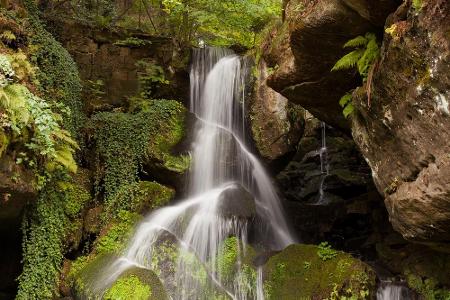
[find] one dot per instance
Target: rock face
(307, 45)
(405, 133)
(108, 56)
(276, 124)
(328, 189)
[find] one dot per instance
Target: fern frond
(368, 58)
(348, 110)
(356, 42)
(345, 99)
(65, 158)
(349, 60)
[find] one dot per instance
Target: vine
(44, 228)
(125, 140)
(57, 72)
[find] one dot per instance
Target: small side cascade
(394, 290)
(324, 165)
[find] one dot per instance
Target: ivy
(57, 71)
(44, 227)
(125, 140)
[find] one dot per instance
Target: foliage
(298, 272)
(124, 140)
(31, 119)
(128, 288)
(428, 288)
(44, 227)
(364, 56)
(346, 103)
(117, 234)
(151, 78)
(220, 23)
(6, 71)
(139, 197)
(325, 252)
(57, 72)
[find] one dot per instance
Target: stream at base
(223, 176)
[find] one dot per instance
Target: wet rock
(404, 133)
(304, 49)
(16, 189)
(298, 272)
(276, 124)
(237, 202)
(326, 188)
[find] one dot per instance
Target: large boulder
(316, 272)
(307, 45)
(404, 132)
(236, 202)
(276, 124)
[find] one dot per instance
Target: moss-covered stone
(298, 272)
(115, 235)
(129, 288)
(140, 197)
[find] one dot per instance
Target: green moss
(287, 278)
(128, 288)
(116, 235)
(428, 288)
(139, 197)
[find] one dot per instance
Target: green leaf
(348, 110)
(356, 42)
(345, 99)
(349, 60)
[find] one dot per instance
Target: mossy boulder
(140, 197)
(139, 284)
(316, 272)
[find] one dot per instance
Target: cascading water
(391, 290)
(324, 166)
(222, 166)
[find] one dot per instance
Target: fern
(349, 60)
(363, 57)
(356, 42)
(346, 103)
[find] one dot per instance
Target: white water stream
(391, 290)
(221, 162)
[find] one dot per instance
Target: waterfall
(390, 290)
(223, 170)
(324, 166)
